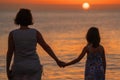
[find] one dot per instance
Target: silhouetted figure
(22, 44)
(96, 63)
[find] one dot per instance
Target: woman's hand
(9, 74)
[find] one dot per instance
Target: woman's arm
(79, 57)
(47, 48)
(9, 53)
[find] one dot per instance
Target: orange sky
(60, 1)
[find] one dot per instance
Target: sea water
(65, 32)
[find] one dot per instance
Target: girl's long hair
(93, 37)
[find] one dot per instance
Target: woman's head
(93, 36)
(24, 17)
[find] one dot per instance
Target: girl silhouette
(96, 63)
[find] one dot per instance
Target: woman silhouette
(22, 44)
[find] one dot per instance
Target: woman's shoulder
(17, 30)
(12, 31)
(34, 29)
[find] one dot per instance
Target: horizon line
(60, 7)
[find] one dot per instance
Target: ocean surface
(65, 32)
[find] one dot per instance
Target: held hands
(61, 63)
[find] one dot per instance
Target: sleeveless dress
(26, 64)
(94, 67)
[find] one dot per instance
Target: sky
(56, 4)
(59, 1)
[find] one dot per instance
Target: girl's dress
(94, 67)
(26, 64)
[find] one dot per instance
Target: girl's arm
(47, 48)
(104, 60)
(9, 53)
(79, 57)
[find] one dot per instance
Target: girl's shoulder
(87, 47)
(101, 47)
(91, 49)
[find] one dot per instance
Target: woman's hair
(24, 17)
(93, 36)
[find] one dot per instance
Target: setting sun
(86, 6)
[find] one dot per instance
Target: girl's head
(24, 17)
(93, 36)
